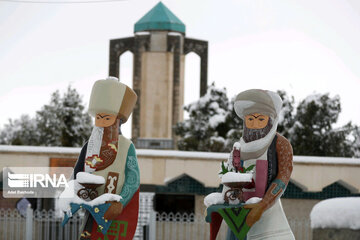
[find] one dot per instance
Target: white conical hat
(258, 101)
(112, 97)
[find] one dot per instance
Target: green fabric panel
(132, 176)
(216, 207)
(236, 222)
(233, 215)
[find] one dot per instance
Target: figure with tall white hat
(106, 175)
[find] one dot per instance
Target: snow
(69, 195)
(253, 200)
(39, 149)
(236, 177)
(104, 198)
(237, 145)
(214, 105)
(218, 198)
(84, 177)
(336, 213)
(313, 98)
(213, 198)
(214, 139)
(181, 154)
(326, 160)
(112, 78)
(215, 120)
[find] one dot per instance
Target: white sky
(302, 47)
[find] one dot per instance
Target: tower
(159, 48)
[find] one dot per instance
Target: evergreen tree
(234, 127)
(287, 114)
(62, 122)
(356, 141)
(312, 133)
(20, 131)
(212, 124)
(205, 129)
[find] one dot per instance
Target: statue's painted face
(104, 119)
(256, 121)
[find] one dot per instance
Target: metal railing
(190, 226)
(47, 225)
(184, 226)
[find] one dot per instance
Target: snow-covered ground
(336, 213)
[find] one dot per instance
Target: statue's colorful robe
(273, 165)
(125, 168)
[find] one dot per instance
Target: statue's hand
(114, 210)
(256, 211)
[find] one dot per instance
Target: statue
(106, 175)
(255, 175)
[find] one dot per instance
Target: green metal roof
(159, 18)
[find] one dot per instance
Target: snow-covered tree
(20, 131)
(214, 126)
(62, 122)
(356, 142)
(287, 114)
(312, 132)
(234, 127)
(205, 129)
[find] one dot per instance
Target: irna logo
(36, 180)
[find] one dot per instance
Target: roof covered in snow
(172, 154)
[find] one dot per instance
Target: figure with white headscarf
(265, 156)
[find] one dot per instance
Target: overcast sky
(302, 47)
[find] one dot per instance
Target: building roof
(160, 18)
(173, 154)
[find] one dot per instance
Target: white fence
(37, 225)
(46, 225)
(184, 227)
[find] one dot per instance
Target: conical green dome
(160, 18)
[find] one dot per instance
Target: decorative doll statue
(255, 175)
(107, 174)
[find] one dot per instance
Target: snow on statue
(255, 175)
(106, 174)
